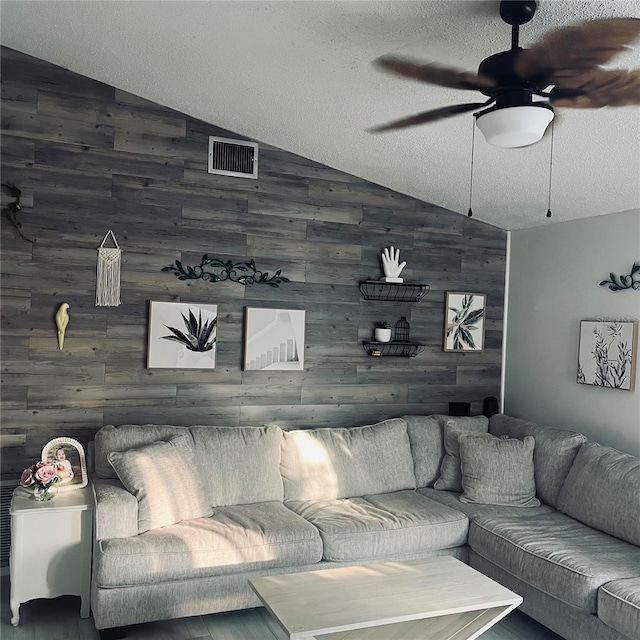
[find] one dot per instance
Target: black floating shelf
(400, 349)
(393, 291)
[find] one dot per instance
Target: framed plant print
(274, 339)
(608, 353)
(69, 454)
(464, 315)
(182, 335)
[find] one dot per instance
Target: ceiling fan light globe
(513, 127)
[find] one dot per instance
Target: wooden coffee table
(438, 598)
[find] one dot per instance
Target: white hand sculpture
(390, 266)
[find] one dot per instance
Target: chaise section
(240, 538)
(556, 554)
(383, 527)
(619, 606)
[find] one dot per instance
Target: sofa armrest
(116, 510)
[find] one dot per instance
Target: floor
(59, 619)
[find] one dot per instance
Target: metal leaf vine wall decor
(10, 212)
(215, 270)
(620, 283)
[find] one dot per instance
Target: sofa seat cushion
(619, 606)
(383, 527)
(241, 538)
(472, 510)
(555, 554)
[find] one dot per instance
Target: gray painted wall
(554, 276)
(90, 158)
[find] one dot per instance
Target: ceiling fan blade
(434, 73)
(577, 49)
(599, 88)
(431, 116)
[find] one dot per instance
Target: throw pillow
(450, 476)
(163, 478)
(498, 470)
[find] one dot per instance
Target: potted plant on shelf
(382, 331)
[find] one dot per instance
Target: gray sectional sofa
(185, 516)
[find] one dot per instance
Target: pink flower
(63, 472)
(27, 477)
(46, 473)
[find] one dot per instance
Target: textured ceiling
(298, 75)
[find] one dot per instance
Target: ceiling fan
(563, 69)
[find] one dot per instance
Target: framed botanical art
(608, 353)
(464, 315)
(182, 335)
(68, 455)
(274, 339)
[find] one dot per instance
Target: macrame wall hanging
(108, 274)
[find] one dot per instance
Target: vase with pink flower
(43, 476)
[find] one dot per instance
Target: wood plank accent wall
(89, 158)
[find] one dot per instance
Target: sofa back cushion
(603, 491)
(427, 449)
(450, 478)
(553, 456)
(127, 436)
(325, 464)
(239, 465)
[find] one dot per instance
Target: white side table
(50, 548)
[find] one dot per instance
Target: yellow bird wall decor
(62, 320)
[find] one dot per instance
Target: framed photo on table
(70, 454)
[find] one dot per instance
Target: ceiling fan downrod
(516, 13)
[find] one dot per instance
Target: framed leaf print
(182, 335)
(607, 354)
(464, 316)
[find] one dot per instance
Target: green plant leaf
(467, 338)
(474, 316)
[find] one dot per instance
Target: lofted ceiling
(298, 75)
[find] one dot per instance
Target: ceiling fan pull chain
(550, 169)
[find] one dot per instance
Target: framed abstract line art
(608, 354)
(182, 335)
(274, 339)
(464, 315)
(67, 454)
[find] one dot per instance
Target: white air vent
(233, 157)
(6, 491)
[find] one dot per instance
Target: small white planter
(382, 335)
